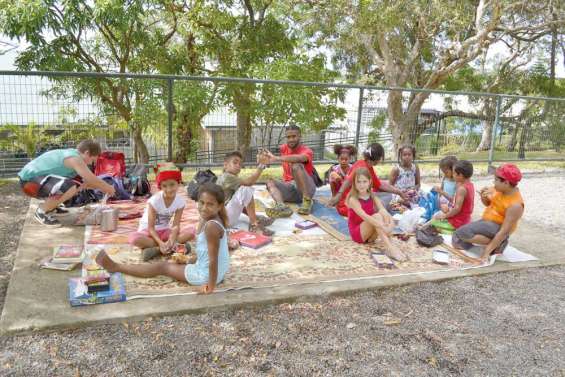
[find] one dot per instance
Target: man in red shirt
(298, 183)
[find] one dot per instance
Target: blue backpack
(118, 183)
(430, 202)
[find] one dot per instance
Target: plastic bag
(430, 202)
(410, 219)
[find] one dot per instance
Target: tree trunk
(403, 125)
(513, 139)
(186, 133)
(486, 137)
(523, 139)
(140, 154)
(242, 103)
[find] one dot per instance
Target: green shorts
(443, 226)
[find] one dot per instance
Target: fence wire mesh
(195, 120)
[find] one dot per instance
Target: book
(48, 264)
(79, 295)
(95, 276)
(382, 260)
(440, 256)
(67, 254)
(98, 286)
(306, 224)
(251, 240)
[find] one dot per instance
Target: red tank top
(464, 216)
(368, 206)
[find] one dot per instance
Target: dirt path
(499, 325)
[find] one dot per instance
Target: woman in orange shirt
(504, 208)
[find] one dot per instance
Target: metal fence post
(170, 120)
(359, 114)
(493, 134)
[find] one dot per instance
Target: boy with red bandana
(504, 208)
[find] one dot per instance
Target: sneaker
(60, 210)
(258, 228)
(46, 219)
(150, 253)
(278, 211)
(306, 206)
(264, 220)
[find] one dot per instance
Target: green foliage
(27, 138)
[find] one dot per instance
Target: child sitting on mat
(338, 172)
(448, 185)
(406, 174)
(367, 217)
(212, 254)
(504, 208)
(449, 219)
(154, 235)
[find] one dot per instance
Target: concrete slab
(37, 300)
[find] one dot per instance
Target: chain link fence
(195, 120)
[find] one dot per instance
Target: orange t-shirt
(499, 203)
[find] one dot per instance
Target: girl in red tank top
(367, 218)
(464, 200)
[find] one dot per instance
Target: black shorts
(46, 186)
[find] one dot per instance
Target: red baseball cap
(165, 175)
(510, 173)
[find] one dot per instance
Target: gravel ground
(502, 324)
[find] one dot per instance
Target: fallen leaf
(392, 322)
(432, 361)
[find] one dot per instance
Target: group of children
(368, 219)
(353, 186)
(355, 193)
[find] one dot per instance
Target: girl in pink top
(338, 172)
(367, 217)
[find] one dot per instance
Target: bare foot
(396, 255)
(103, 260)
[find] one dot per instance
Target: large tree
(99, 36)
(418, 43)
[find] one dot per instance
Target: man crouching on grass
(504, 208)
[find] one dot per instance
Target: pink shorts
(162, 233)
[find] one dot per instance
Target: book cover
(79, 296)
(306, 224)
(48, 264)
(382, 260)
(67, 254)
(251, 240)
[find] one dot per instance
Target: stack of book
(65, 257)
(251, 240)
(96, 278)
(79, 294)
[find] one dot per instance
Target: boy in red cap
(155, 235)
(504, 208)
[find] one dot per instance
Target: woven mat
(94, 235)
(291, 260)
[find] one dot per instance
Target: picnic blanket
(291, 259)
(307, 256)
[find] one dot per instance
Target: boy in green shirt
(50, 177)
(239, 193)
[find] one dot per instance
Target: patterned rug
(291, 260)
(94, 235)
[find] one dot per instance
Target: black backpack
(428, 236)
(83, 198)
(316, 177)
(201, 177)
(136, 180)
